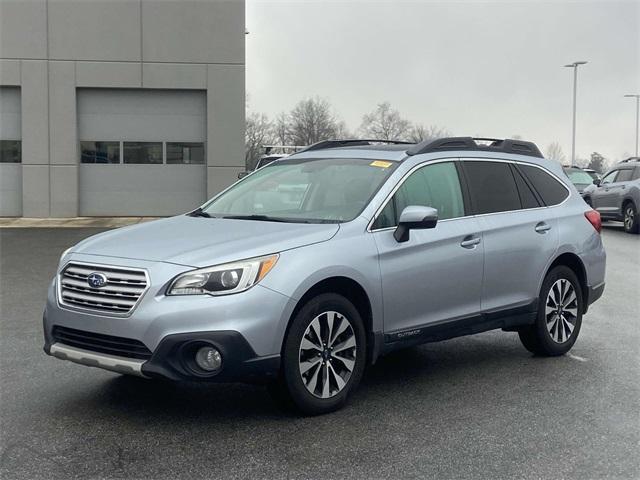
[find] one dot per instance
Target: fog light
(208, 359)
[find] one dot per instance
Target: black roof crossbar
(354, 142)
(519, 147)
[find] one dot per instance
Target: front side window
(636, 174)
(10, 151)
(436, 186)
(610, 177)
(142, 152)
(492, 187)
(99, 152)
(304, 190)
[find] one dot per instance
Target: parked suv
(617, 195)
(579, 177)
(312, 267)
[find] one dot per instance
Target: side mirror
(241, 175)
(597, 182)
(415, 217)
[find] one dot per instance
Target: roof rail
(630, 159)
(519, 147)
(353, 142)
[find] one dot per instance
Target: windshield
(304, 190)
(579, 177)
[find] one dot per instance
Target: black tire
(630, 218)
(537, 338)
(291, 386)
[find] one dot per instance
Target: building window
(10, 151)
(100, 152)
(182, 152)
(142, 152)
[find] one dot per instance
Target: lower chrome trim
(100, 360)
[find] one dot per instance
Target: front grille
(97, 342)
(119, 295)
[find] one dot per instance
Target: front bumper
(247, 328)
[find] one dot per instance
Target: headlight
(223, 279)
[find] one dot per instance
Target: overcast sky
(478, 68)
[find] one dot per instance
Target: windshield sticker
(381, 164)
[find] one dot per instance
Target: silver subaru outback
(308, 270)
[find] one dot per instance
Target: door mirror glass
(415, 217)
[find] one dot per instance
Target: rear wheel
(559, 316)
(324, 355)
(630, 218)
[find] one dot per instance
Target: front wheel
(631, 221)
(324, 354)
(559, 316)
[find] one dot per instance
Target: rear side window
(550, 189)
(636, 174)
(527, 197)
(624, 175)
(492, 187)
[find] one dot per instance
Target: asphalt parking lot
(473, 407)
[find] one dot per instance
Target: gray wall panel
(207, 32)
(10, 190)
(108, 74)
(173, 75)
(23, 29)
(35, 113)
(10, 72)
(62, 114)
(225, 115)
(151, 190)
(10, 119)
(94, 30)
(35, 190)
(64, 190)
(141, 115)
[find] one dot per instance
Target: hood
(200, 242)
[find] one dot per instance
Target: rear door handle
(470, 241)
(543, 227)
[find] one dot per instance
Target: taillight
(594, 219)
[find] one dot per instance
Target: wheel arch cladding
(348, 288)
(573, 261)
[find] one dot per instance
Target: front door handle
(470, 241)
(543, 227)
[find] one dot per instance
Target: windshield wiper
(265, 218)
(198, 212)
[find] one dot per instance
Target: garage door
(10, 153)
(142, 152)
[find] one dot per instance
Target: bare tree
(310, 121)
(419, 133)
(258, 132)
(385, 123)
(554, 152)
(281, 129)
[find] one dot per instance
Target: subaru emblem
(96, 280)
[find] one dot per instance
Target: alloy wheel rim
(327, 354)
(628, 217)
(561, 310)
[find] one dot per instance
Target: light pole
(574, 65)
(637, 97)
